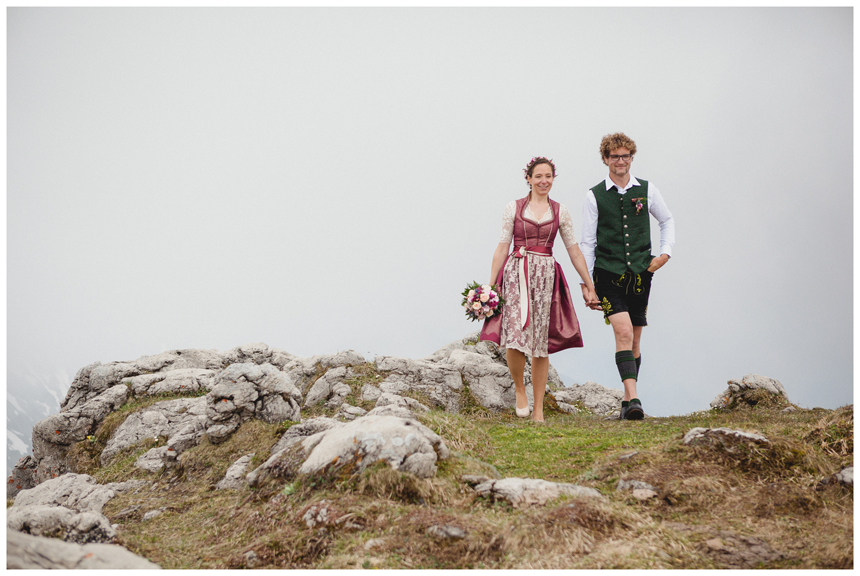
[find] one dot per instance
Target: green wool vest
(623, 231)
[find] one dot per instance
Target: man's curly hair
(613, 142)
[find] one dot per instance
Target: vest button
(625, 225)
(628, 263)
(628, 244)
(628, 255)
(627, 235)
(625, 215)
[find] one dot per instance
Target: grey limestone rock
(348, 412)
(306, 428)
(60, 522)
(523, 492)
(22, 477)
(445, 532)
(234, 479)
(245, 391)
(600, 400)
(161, 419)
(403, 443)
(78, 492)
(388, 399)
(846, 476)
(24, 551)
(748, 382)
(95, 378)
(441, 383)
(489, 382)
(633, 485)
(305, 371)
(392, 410)
(721, 436)
(292, 437)
(370, 393)
(153, 460)
(258, 353)
(153, 513)
(338, 393)
(444, 352)
(569, 408)
(53, 436)
(180, 381)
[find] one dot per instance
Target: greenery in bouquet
(482, 301)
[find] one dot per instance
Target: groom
(616, 243)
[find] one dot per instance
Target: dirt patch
(729, 549)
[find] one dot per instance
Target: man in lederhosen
(616, 243)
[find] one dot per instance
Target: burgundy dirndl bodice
(564, 330)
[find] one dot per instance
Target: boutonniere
(637, 202)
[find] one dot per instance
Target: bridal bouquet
(482, 301)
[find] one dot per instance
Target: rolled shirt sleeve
(588, 242)
(657, 207)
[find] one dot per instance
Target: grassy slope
(714, 509)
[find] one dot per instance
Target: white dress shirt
(656, 207)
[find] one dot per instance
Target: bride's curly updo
(534, 162)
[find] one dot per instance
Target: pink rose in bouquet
(481, 301)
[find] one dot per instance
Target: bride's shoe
(523, 412)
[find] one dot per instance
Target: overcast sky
(330, 179)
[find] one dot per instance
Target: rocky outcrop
(60, 522)
(725, 437)
(489, 382)
(91, 380)
(234, 478)
(24, 551)
(305, 371)
(246, 391)
(256, 381)
(598, 399)
(323, 389)
(78, 492)
(403, 443)
(53, 436)
(743, 391)
(388, 399)
(162, 419)
(440, 383)
(180, 381)
(23, 476)
(524, 492)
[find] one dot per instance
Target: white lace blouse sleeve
(565, 226)
(508, 223)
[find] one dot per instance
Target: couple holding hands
(614, 262)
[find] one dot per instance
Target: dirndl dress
(538, 318)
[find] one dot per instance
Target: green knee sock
(626, 364)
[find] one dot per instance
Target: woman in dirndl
(538, 317)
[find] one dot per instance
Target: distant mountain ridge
(30, 397)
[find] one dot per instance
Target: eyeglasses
(616, 157)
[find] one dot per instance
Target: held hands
(590, 298)
(658, 262)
